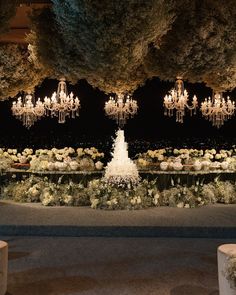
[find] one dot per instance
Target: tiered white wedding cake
(121, 169)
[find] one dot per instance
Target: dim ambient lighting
(61, 104)
(120, 108)
(177, 101)
(27, 110)
(218, 109)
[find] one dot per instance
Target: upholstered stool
(223, 254)
(3, 267)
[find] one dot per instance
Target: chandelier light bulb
(218, 109)
(120, 108)
(61, 104)
(177, 101)
(27, 110)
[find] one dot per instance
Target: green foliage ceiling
(117, 45)
(17, 72)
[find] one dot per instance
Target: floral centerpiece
(99, 194)
(41, 189)
(104, 196)
(67, 159)
(187, 159)
(9, 157)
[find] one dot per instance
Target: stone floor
(112, 266)
(37, 214)
(216, 221)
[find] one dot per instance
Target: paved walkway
(35, 219)
(112, 266)
(12, 213)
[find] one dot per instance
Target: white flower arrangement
(103, 196)
(91, 159)
(55, 159)
(99, 194)
(230, 271)
(225, 191)
(189, 159)
(67, 159)
(38, 189)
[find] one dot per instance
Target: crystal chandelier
(61, 104)
(121, 108)
(27, 110)
(178, 100)
(218, 109)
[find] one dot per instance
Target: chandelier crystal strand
(121, 108)
(218, 109)
(61, 104)
(27, 110)
(177, 101)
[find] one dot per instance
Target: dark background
(148, 129)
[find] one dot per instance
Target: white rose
(23, 159)
(197, 165)
(94, 203)
(176, 151)
(71, 150)
(218, 156)
(80, 152)
(59, 157)
(133, 201)
(51, 166)
(68, 199)
(99, 165)
(164, 166)
(43, 165)
(180, 205)
(161, 158)
(14, 158)
(48, 199)
(225, 165)
(74, 165)
(177, 166)
(139, 200)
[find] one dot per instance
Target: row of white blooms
(99, 194)
(185, 159)
(66, 159)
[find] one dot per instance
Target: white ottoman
(223, 253)
(3, 267)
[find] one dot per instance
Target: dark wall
(92, 127)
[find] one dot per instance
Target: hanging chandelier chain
(27, 110)
(218, 109)
(61, 104)
(177, 100)
(121, 108)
